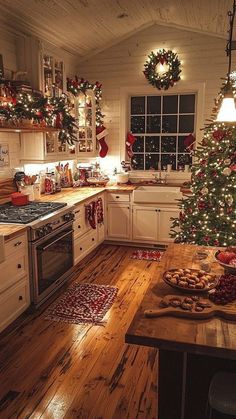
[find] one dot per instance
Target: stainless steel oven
(51, 257)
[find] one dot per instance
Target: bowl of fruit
(227, 259)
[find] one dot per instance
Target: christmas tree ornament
(226, 171)
(229, 200)
(227, 161)
(204, 191)
(162, 70)
(101, 133)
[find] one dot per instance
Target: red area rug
(83, 303)
(142, 254)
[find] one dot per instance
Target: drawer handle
(81, 248)
(17, 244)
(76, 212)
(117, 197)
(20, 298)
(79, 226)
(93, 239)
(19, 266)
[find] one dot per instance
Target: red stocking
(129, 142)
(101, 133)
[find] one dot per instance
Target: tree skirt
(142, 254)
(83, 303)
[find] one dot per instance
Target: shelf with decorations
(53, 78)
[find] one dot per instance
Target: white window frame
(180, 88)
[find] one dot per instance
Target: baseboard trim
(134, 244)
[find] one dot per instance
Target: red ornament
(233, 167)
(206, 238)
(201, 205)
(216, 242)
(219, 134)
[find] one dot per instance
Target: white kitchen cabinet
(14, 287)
(85, 237)
(152, 224)
(165, 223)
(53, 74)
(85, 115)
(145, 223)
(43, 147)
(118, 221)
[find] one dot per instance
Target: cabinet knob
(17, 244)
(128, 207)
(19, 266)
(93, 239)
(20, 298)
(156, 210)
(159, 210)
(117, 197)
(79, 226)
(81, 248)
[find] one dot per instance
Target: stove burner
(25, 214)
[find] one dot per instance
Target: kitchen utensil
(212, 282)
(227, 311)
(18, 198)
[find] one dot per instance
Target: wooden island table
(190, 351)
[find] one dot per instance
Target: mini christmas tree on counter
(208, 216)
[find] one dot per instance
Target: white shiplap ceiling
(84, 27)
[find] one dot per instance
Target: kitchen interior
(117, 217)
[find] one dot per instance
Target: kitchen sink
(157, 194)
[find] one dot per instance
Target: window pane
(169, 123)
(152, 144)
(151, 161)
(137, 162)
(187, 104)
(137, 105)
(168, 159)
(170, 104)
(168, 144)
(181, 146)
(153, 124)
(186, 123)
(138, 146)
(184, 159)
(137, 124)
(154, 104)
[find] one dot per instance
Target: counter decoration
(162, 69)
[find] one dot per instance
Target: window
(160, 125)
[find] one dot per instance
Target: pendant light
(227, 111)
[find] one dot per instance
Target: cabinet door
(85, 114)
(165, 223)
(118, 221)
(145, 223)
(32, 146)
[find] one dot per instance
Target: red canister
(18, 198)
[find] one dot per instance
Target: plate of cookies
(190, 280)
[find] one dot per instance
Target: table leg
(171, 384)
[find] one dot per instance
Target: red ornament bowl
(229, 269)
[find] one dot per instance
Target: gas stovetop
(25, 214)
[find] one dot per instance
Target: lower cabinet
(84, 245)
(14, 286)
(153, 224)
(118, 221)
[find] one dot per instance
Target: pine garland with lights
(167, 78)
(43, 112)
(76, 86)
(208, 216)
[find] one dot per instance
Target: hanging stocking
(129, 143)
(90, 211)
(100, 218)
(189, 142)
(101, 133)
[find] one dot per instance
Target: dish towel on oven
(90, 211)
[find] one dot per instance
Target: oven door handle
(55, 241)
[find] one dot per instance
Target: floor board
(58, 370)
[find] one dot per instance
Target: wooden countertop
(213, 337)
(72, 196)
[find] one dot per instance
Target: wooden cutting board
(227, 311)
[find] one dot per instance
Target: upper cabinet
(85, 114)
(53, 75)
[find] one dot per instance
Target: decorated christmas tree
(208, 215)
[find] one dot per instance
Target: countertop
(72, 196)
(212, 337)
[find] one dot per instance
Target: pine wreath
(171, 64)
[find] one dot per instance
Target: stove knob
(40, 232)
(69, 216)
(49, 228)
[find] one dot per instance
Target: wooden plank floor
(58, 370)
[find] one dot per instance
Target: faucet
(159, 179)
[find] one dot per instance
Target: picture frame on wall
(4, 155)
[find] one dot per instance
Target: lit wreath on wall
(162, 70)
